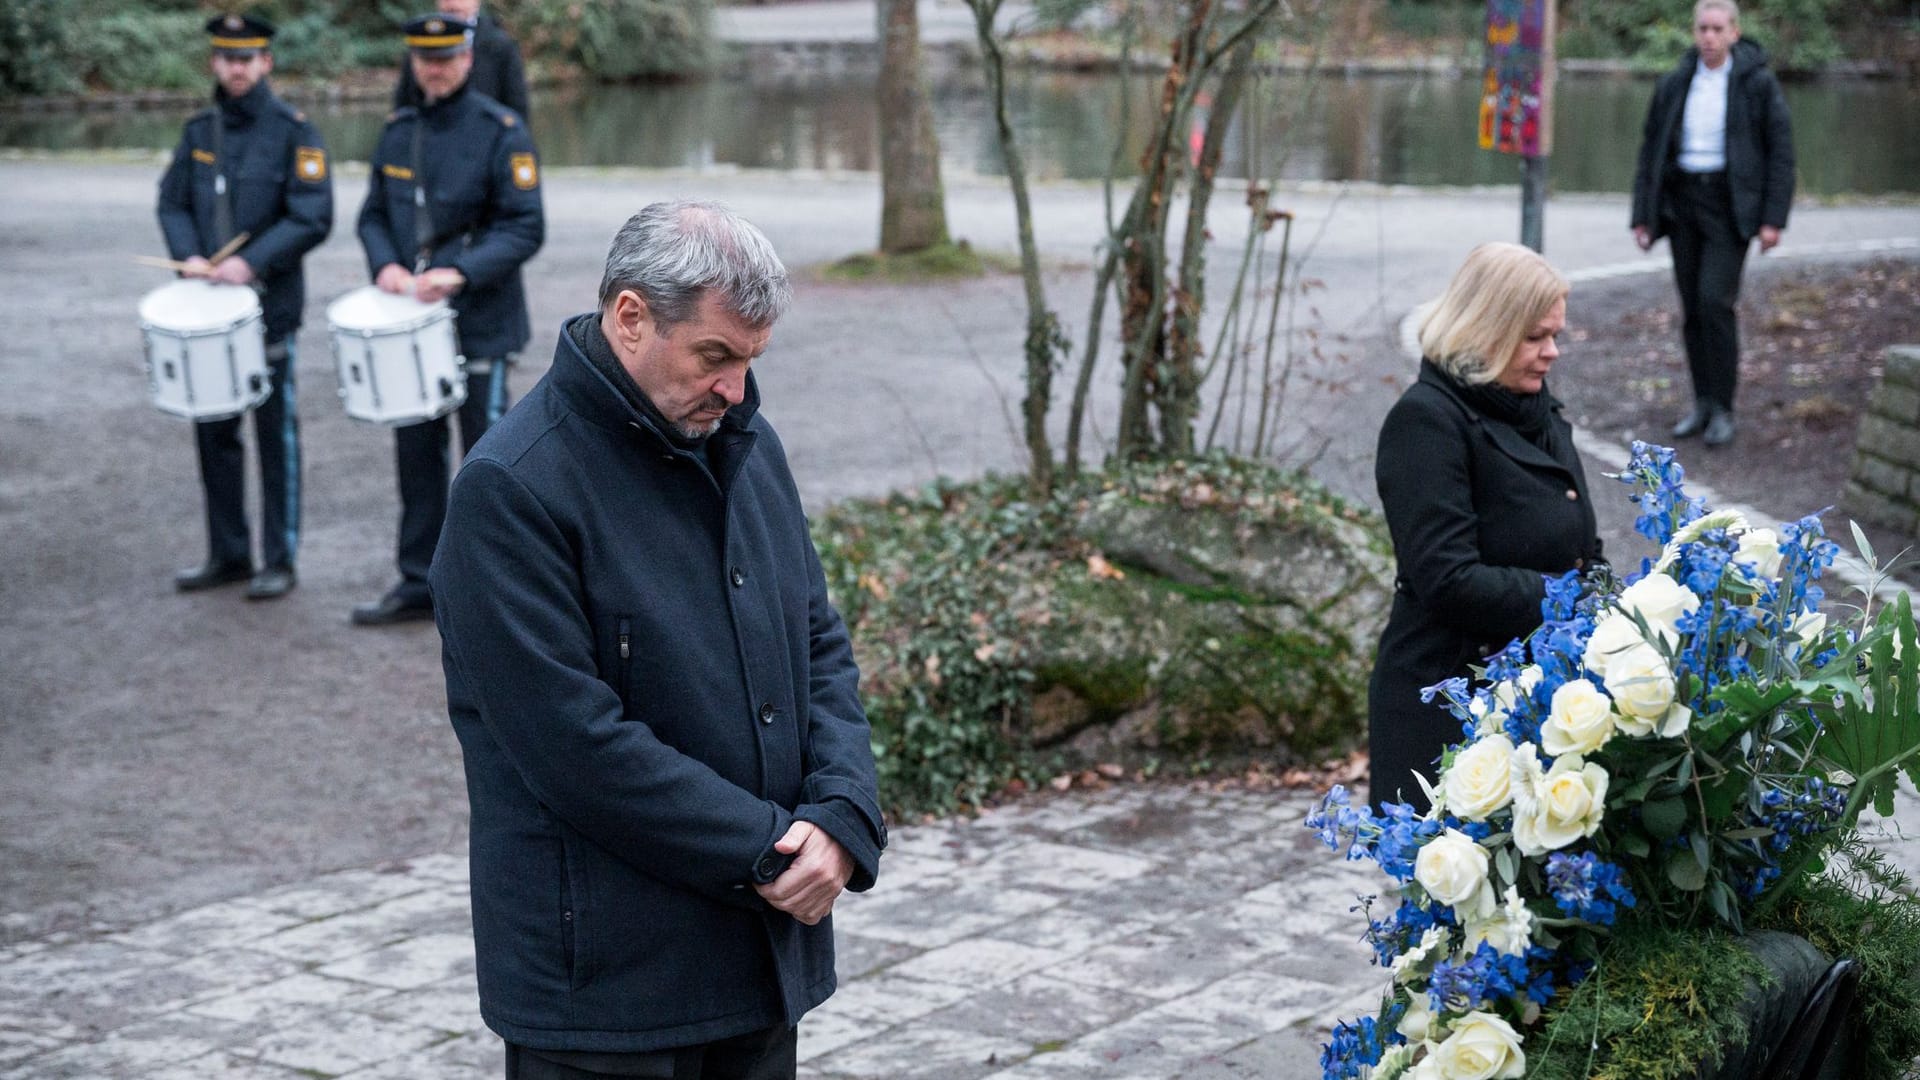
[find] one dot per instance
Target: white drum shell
(206, 348)
(398, 359)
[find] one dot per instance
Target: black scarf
(593, 343)
(1529, 414)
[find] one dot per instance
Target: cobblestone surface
(1141, 931)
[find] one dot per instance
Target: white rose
(1452, 867)
(1733, 521)
(1612, 635)
(1478, 783)
(1509, 930)
(1393, 1063)
(1482, 1047)
(1407, 964)
(1642, 687)
(1810, 625)
(1660, 601)
(1417, 1023)
(1555, 807)
(1761, 549)
(1579, 721)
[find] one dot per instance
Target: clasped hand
(814, 879)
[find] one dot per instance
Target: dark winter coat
(278, 189)
(1478, 514)
(484, 215)
(497, 70)
(649, 686)
(1759, 143)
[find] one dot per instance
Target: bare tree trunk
(1180, 394)
(913, 210)
(1044, 337)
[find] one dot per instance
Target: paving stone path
(1144, 931)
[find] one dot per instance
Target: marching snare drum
(398, 359)
(206, 349)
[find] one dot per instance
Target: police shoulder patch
(310, 163)
(526, 172)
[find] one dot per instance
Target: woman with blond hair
(1484, 497)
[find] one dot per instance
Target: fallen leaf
(1100, 568)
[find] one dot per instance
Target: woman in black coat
(1484, 497)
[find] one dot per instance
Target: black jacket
(278, 188)
(482, 183)
(497, 70)
(649, 685)
(1759, 143)
(1478, 515)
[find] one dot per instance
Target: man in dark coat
(453, 210)
(1715, 170)
(497, 69)
(668, 767)
(250, 164)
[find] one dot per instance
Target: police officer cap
(438, 35)
(239, 36)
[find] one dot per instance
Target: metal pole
(1533, 201)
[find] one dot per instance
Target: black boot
(210, 574)
(1720, 428)
(1694, 422)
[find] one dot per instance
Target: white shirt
(1703, 124)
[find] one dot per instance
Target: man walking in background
(668, 767)
(453, 211)
(250, 164)
(1715, 170)
(497, 68)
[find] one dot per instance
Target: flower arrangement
(1679, 750)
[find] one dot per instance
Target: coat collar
(1510, 442)
(588, 393)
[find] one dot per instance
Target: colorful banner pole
(1516, 100)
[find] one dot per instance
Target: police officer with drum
(453, 209)
(250, 165)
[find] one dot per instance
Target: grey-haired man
(667, 761)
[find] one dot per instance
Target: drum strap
(222, 202)
(423, 234)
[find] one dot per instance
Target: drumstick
(164, 264)
(229, 247)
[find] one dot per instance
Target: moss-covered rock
(1211, 607)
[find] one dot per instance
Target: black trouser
(768, 1054)
(1708, 255)
(223, 473)
(424, 466)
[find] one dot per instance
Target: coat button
(765, 867)
(1572, 495)
(739, 577)
(766, 712)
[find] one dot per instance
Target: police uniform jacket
(1479, 515)
(1759, 142)
(497, 69)
(277, 189)
(470, 159)
(649, 686)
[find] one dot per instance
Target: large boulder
(1201, 621)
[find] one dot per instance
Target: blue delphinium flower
(1664, 505)
(1584, 887)
(1489, 975)
(1358, 1046)
(1402, 930)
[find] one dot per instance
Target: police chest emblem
(310, 163)
(526, 174)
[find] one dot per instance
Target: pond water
(1851, 136)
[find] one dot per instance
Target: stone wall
(1885, 487)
